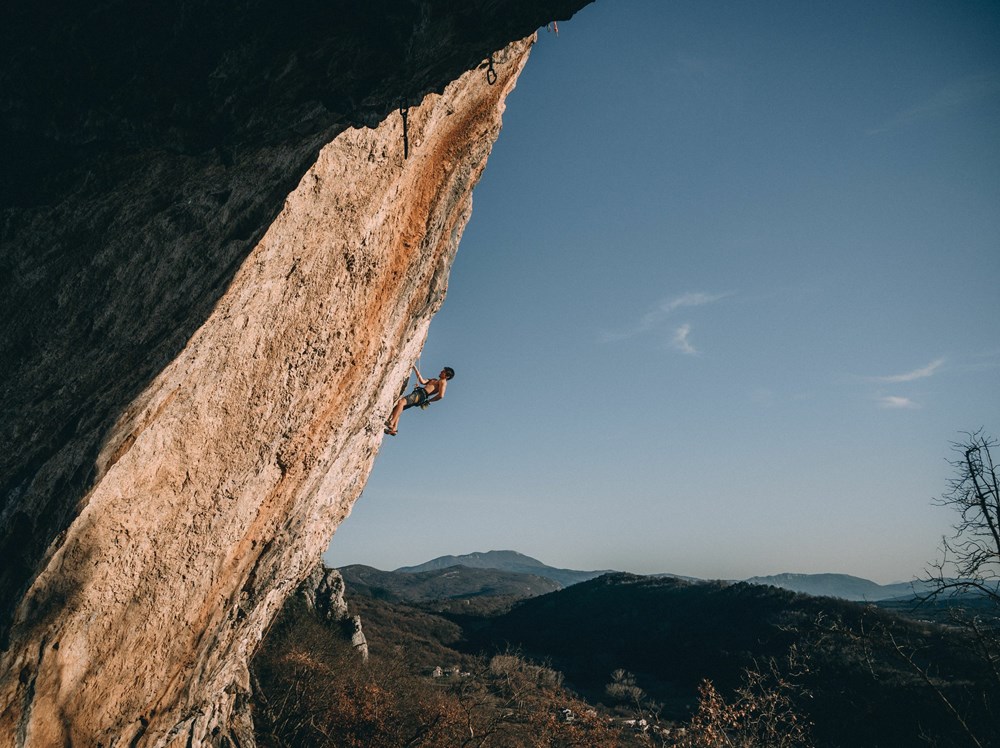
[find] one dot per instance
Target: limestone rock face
(144, 150)
(323, 591)
(358, 640)
(220, 486)
(168, 486)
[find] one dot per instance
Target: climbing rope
(491, 74)
(404, 112)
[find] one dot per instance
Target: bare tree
(972, 554)
(970, 564)
(762, 714)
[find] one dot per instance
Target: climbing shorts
(417, 397)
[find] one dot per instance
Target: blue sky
(730, 288)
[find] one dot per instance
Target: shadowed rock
(205, 318)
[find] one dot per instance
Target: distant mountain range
(843, 586)
(454, 582)
(510, 561)
(424, 587)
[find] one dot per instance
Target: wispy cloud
(895, 402)
(681, 341)
(955, 95)
(655, 317)
(693, 299)
(921, 373)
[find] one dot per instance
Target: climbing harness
(491, 74)
(404, 112)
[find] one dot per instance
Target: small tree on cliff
(972, 554)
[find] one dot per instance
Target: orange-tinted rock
(222, 482)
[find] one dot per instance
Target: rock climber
(427, 391)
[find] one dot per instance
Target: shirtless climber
(428, 391)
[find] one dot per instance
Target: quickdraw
(404, 112)
(491, 74)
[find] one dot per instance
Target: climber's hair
(449, 373)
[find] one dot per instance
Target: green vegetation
(859, 684)
(625, 660)
(636, 661)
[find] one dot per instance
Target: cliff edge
(213, 290)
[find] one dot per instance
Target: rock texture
(323, 592)
(219, 487)
(144, 149)
(195, 366)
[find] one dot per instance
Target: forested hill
(510, 561)
(671, 634)
(449, 583)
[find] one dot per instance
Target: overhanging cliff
(197, 353)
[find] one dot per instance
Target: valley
(633, 648)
